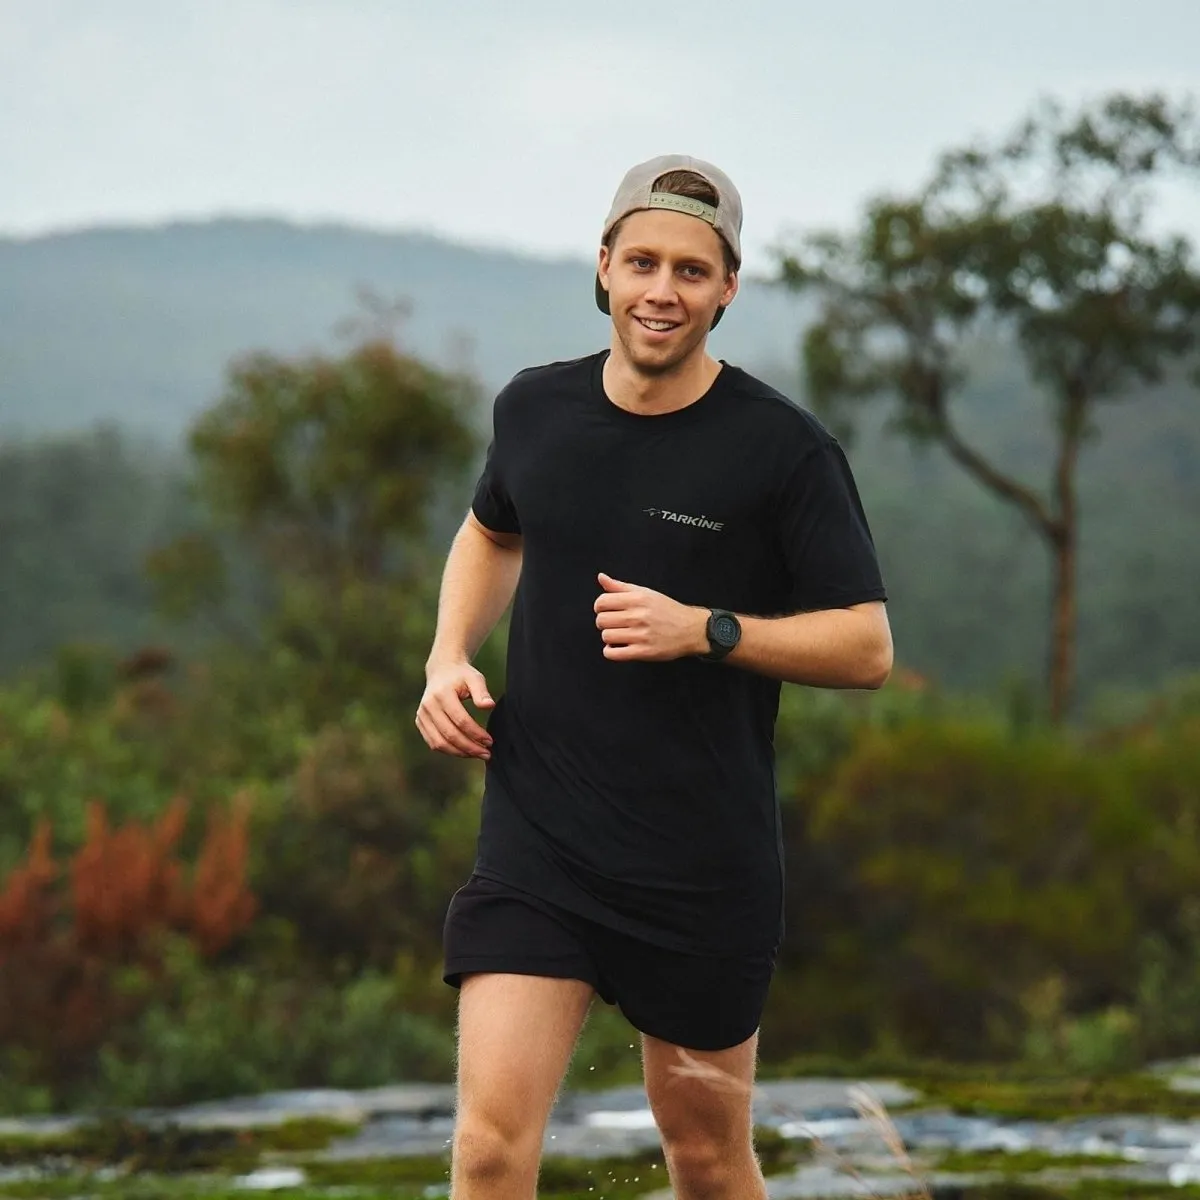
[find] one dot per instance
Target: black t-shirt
(642, 795)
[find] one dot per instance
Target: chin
(660, 361)
(657, 364)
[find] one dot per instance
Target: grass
(167, 1148)
(1090, 1189)
(395, 1179)
(1056, 1099)
(1014, 1091)
(1023, 1162)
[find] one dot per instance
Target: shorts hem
(454, 969)
(706, 1045)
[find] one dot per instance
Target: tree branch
(1026, 499)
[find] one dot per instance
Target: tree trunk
(1064, 541)
(1062, 621)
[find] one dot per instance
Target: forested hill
(136, 325)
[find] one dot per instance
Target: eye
(694, 272)
(641, 264)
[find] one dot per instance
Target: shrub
(72, 940)
(232, 1031)
(968, 865)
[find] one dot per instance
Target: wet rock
(272, 1179)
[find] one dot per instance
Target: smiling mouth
(657, 326)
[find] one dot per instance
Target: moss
(120, 1142)
(1051, 1100)
(304, 1133)
(169, 1148)
(173, 1188)
(574, 1176)
(1091, 1189)
(379, 1172)
(1025, 1162)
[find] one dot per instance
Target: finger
(450, 703)
(613, 601)
(609, 584)
(420, 724)
(465, 743)
(616, 620)
(480, 695)
(622, 637)
(467, 726)
(625, 653)
(434, 740)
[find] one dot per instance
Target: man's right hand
(442, 719)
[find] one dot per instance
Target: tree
(323, 473)
(1042, 238)
(321, 476)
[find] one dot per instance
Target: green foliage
(188, 574)
(954, 874)
(356, 859)
(234, 1032)
(330, 465)
(77, 515)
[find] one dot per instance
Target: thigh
(701, 1096)
(526, 984)
(516, 1034)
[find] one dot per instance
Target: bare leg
(516, 1034)
(707, 1130)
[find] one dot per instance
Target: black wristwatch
(724, 632)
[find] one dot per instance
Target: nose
(660, 289)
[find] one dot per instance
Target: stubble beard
(654, 366)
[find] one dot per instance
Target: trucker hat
(637, 193)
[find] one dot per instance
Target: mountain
(137, 325)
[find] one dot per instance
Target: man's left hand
(638, 624)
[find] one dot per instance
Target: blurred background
(262, 268)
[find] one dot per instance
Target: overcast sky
(510, 122)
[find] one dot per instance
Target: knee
(702, 1167)
(486, 1153)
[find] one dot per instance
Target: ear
(602, 266)
(731, 289)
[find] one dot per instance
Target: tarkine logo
(666, 514)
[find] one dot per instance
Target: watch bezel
(719, 648)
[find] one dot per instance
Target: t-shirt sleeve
(493, 505)
(826, 541)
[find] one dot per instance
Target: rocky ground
(1136, 1137)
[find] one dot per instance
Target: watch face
(725, 630)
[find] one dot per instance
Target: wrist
(445, 656)
(698, 641)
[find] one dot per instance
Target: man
(683, 538)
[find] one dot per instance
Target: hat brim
(603, 305)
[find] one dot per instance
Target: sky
(509, 123)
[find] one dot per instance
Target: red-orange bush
(69, 934)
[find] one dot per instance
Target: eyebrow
(645, 251)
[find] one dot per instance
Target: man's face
(665, 276)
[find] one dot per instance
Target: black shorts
(689, 1000)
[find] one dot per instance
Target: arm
(832, 648)
(478, 583)
(480, 577)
